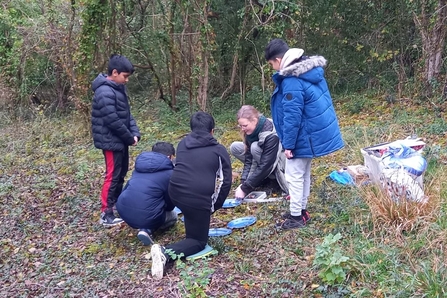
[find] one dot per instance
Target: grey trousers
(238, 150)
(298, 181)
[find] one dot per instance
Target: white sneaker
(158, 261)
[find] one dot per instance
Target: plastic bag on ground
(400, 156)
(399, 183)
(342, 177)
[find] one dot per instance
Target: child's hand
(136, 141)
(288, 154)
(239, 194)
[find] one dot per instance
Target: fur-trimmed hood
(303, 66)
(302, 109)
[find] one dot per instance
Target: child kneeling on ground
(199, 186)
(144, 203)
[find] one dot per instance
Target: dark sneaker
(145, 237)
(285, 215)
(158, 261)
(291, 223)
(306, 216)
(109, 220)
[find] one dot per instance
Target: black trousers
(117, 165)
(197, 225)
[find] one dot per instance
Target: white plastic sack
(400, 156)
(399, 183)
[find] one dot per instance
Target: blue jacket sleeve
(293, 105)
(134, 128)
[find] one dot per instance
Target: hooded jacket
(144, 200)
(113, 126)
(202, 174)
(302, 109)
(272, 160)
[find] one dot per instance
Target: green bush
(332, 263)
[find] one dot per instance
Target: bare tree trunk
(206, 40)
(236, 56)
(202, 96)
(242, 89)
(433, 35)
(173, 56)
(186, 47)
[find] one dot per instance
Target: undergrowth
(53, 246)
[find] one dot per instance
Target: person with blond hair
(260, 151)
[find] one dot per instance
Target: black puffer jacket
(113, 126)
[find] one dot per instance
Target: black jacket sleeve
(248, 162)
(134, 128)
(227, 178)
(169, 206)
(265, 167)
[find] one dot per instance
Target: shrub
(331, 261)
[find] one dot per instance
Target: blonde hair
(248, 112)
(251, 114)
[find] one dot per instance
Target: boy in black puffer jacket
(114, 130)
(145, 203)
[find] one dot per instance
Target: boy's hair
(201, 121)
(164, 148)
(120, 63)
(276, 48)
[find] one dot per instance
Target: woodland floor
(52, 245)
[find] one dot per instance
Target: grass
(53, 246)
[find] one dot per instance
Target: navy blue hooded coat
(144, 200)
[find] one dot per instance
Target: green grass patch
(53, 246)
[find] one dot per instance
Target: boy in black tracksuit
(199, 185)
(114, 130)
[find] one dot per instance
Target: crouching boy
(144, 203)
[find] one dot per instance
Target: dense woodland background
(201, 53)
(387, 72)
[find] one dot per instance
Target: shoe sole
(145, 239)
(280, 226)
(287, 216)
(157, 262)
